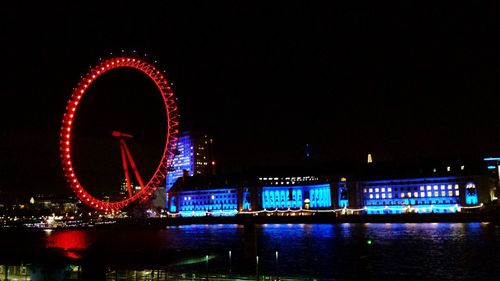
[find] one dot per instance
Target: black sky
(402, 80)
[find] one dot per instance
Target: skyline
(263, 81)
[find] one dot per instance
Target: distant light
(448, 168)
(492, 167)
(370, 160)
(492, 159)
(369, 241)
(462, 167)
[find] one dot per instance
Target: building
(312, 196)
(194, 154)
(449, 188)
(196, 196)
(419, 195)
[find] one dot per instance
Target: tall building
(193, 155)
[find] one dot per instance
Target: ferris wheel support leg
(125, 167)
(132, 163)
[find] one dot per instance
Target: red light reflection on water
(72, 242)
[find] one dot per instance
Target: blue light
(492, 167)
(213, 202)
(284, 197)
(182, 161)
(492, 159)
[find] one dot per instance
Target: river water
(408, 251)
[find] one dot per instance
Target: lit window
(443, 193)
(376, 189)
(382, 189)
(371, 189)
(422, 194)
(428, 187)
(383, 195)
(402, 195)
(429, 194)
(442, 187)
(462, 167)
(364, 190)
(415, 194)
(456, 186)
(422, 187)
(450, 186)
(409, 194)
(389, 189)
(435, 187)
(450, 193)
(376, 196)
(389, 195)
(371, 196)
(457, 193)
(448, 168)
(436, 194)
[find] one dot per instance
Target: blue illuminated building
(193, 157)
(342, 193)
(420, 195)
(296, 196)
(183, 161)
(213, 202)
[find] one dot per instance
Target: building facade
(193, 156)
(393, 196)
(419, 195)
(204, 202)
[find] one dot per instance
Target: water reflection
(446, 251)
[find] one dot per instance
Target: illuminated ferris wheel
(146, 187)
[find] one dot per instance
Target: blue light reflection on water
(429, 251)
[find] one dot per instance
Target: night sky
(400, 81)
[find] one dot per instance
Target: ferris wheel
(71, 113)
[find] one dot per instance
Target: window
(435, 187)
(371, 189)
(450, 193)
(429, 194)
(364, 190)
(402, 195)
(422, 194)
(457, 193)
(376, 196)
(371, 196)
(428, 187)
(422, 187)
(389, 189)
(415, 194)
(449, 186)
(443, 193)
(383, 195)
(436, 194)
(442, 187)
(382, 189)
(389, 195)
(409, 194)
(456, 186)
(376, 189)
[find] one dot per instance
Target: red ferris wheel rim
(71, 112)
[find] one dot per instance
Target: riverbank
(244, 219)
